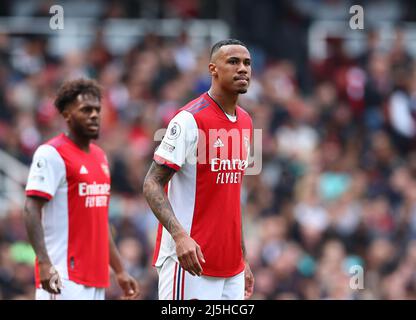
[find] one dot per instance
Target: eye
(88, 110)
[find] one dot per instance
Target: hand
(248, 282)
(189, 254)
(129, 285)
(49, 278)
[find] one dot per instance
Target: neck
(228, 102)
(82, 143)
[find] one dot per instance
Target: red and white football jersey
(75, 219)
(209, 151)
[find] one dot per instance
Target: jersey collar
(219, 110)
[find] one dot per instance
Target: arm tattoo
(153, 190)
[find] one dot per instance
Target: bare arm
(33, 222)
(153, 189)
(115, 259)
(243, 246)
(127, 283)
(248, 275)
(188, 251)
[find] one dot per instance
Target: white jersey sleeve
(179, 142)
(47, 173)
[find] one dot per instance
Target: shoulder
(47, 155)
(57, 142)
(196, 104)
(398, 97)
(46, 151)
(182, 120)
(244, 114)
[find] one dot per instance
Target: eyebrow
(87, 105)
(237, 58)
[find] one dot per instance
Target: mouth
(93, 127)
(242, 79)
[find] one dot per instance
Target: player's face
(83, 116)
(231, 66)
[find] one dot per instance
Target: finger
(126, 293)
(128, 290)
(56, 289)
(248, 292)
(189, 265)
(200, 255)
(136, 288)
(196, 266)
(249, 288)
(193, 262)
(58, 284)
(45, 286)
(186, 264)
(249, 283)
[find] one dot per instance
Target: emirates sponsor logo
(218, 164)
(94, 189)
(229, 171)
(96, 194)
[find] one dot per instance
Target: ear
(212, 69)
(66, 114)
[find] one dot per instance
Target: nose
(94, 113)
(242, 68)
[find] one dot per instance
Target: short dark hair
(225, 42)
(70, 90)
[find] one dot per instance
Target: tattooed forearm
(153, 189)
(174, 226)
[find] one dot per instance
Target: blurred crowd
(337, 188)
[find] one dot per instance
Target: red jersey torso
(76, 216)
(210, 209)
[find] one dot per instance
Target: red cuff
(165, 162)
(39, 194)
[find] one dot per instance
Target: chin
(242, 91)
(94, 136)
